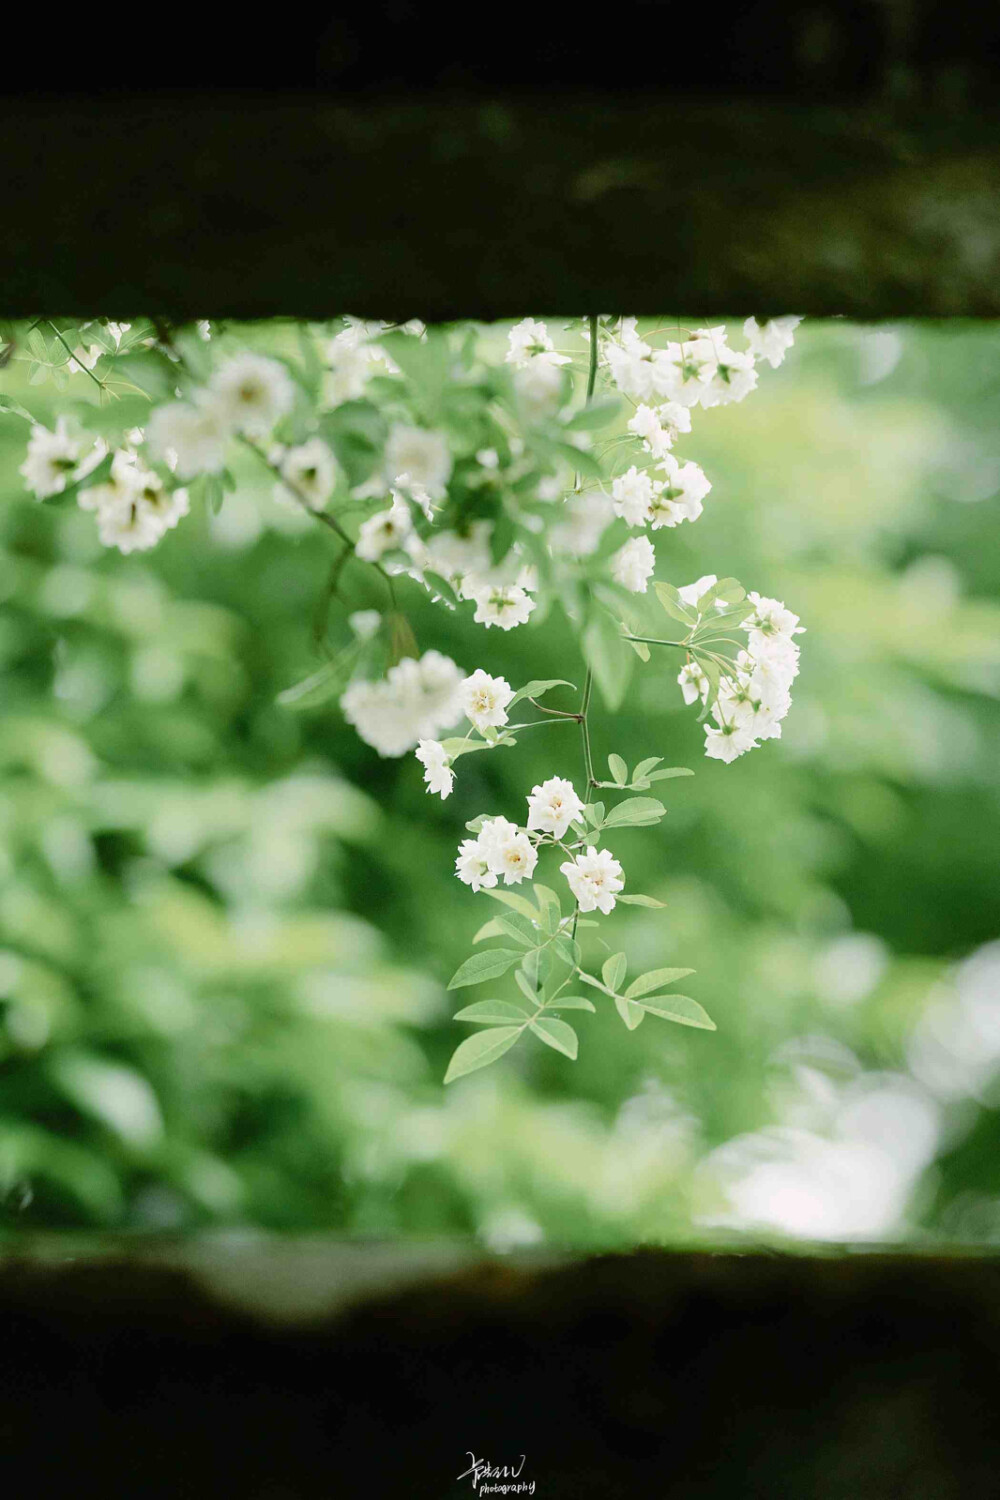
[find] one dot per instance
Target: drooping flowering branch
(438, 460)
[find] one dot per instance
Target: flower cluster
(754, 692)
(502, 849)
(133, 504)
(753, 701)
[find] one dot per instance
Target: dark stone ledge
(258, 205)
(181, 1372)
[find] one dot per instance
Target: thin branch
(99, 383)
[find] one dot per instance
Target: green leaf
(666, 772)
(557, 1034)
(608, 656)
(518, 927)
(644, 767)
(640, 648)
(580, 459)
(635, 812)
(151, 371)
(614, 970)
(536, 688)
(566, 948)
(639, 901)
(493, 1013)
(572, 1002)
(10, 406)
(501, 537)
(597, 413)
(424, 362)
(630, 1013)
(356, 431)
(537, 965)
(726, 591)
(680, 1008)
(618, 769)
(653, 980)
(514, 901)
(674, 604)
(455, 747)
(548, 905)
(594, 813)
(320, 686)
(480, 1050)
(526, 987)
(482, 966)
(589, 979)
(441, 586)
(490, 929)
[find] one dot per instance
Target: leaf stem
(322, 516)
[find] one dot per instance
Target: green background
(226, 927)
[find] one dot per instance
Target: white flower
(416, 493)
(770, 677)
(505, 606)
(539, 386)
(516, 859)
(728, 741)
(658, 435)
(189, 438)
(50, 460)
(509, 852)
(495, 832)
(733, 378)
(388, 531)
(438, 775)
(364, 623)
(122, 483)
(488, 458)
(352, 364)
(472, 866)
(311, 472)
(630, 362)
(595, 878)
(632, 566)
(772, 340)
(770, 624)
(632, 494)
(485, 700)
(678, 498)
(693, 683)
(674, 419)
(166, 507)
(586, 517)
(128, 525)
(529, 342)
(658, 427)
(422, 455)
(553, 806)
(252, 392)
(692, 592)
(680, 372)
(455, 556)
(415, 701)
(134, 507)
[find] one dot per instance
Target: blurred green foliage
(225, 927)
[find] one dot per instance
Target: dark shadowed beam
(264, 1369)
(261, 205)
